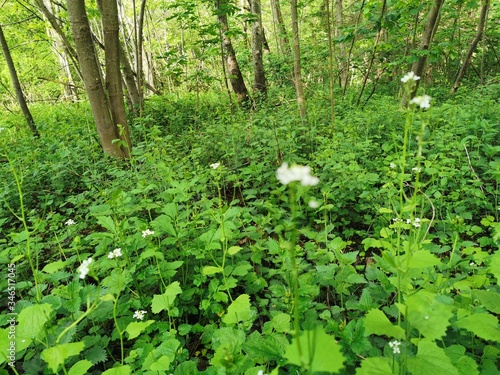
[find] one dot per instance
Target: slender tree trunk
(330, 60)
(343, 65)
(235, 76)
(473, 45)
(17, 85)
(297, 76)
(430, 28)
(113, 76)
(259, 85)
(284, 44)
(129, 78)
(92, 78)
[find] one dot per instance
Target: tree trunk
(473, 45)
(259, 86)
(425, 42)
(92, 78)
(235, 76)
(297, 77)
(113, 76)
(343, 66)
(17, 85)
(284, 44)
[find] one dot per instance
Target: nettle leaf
(31, 321)
(58, 354)
(376, 322)
(431, 359)
(489, 299)
(166, 300)
(483, 325)
(375, 366)
(239, 310)
(425, 313)
(320, 352)
(120, 370)
(80, 367)
(134, 329)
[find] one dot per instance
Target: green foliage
(390, 265)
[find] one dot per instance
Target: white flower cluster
(139, 314)
(70, 222)
(410, 77)
(147, 232)
(215, 165)
(415, 222)
(423, 101)
(395, 346)
(299, 173)
(83, 270)
(115, 253)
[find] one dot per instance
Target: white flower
(296, 173)
(70, 222)
(392, 165)
(83, 270)
(313, 203)
(410, 76)
(261, 372)
(147, 232)
(416, 169)
(422, 101)
(115, 253)
(416, 222)
(139, 314)
(215, 165)
(395, 346)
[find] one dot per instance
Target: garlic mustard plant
(410, 77)
(147, 232)
(83, 270)
(215, 165)
(115, 253)
(299, 173)
(395, 346)
(139, 314)
(422, 101)
(70, 222)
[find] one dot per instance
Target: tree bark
(297, 76)
(92, 78)
(284, 44)
(479, 33)
(111, 29)
(259, 85)
(430, 28)
(17, 85)
(235, 76)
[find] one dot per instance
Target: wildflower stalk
(90, 308)
(120, 332)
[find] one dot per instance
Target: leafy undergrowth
(203, 262)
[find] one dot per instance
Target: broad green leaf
(134, 329)
(489, 298)
(431, 359)
(5, 343)
(117, 281)
(54, 266)
(80, 367)
(465, 364)
(160, 364)
(234, 250)
(281, 323)
(106, 222)
(374, 366)
(376, 322)
(57, 355)
(120, 370)
(165, 301)
(320, 352)
(483, 325)
(423, 259)
(239, 310)
(211, 270)
(186, 368)
(495, 266)
(31, 321)
(425, 313)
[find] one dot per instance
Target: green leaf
(31, 321)
(165, 301)
(425, 313)
(57, 355)
(423, 259)
(483, 325)
(134, 329)
(160, 364)
(120, 370)
(489, 299)
(117, 281)
(54, 266)
(211, 270)
(495, 265)
(107, 222)
(376, 322)
(281, 323)
(465, 365)
(80, 367)
(374, 366)
(319, 352)
(431, 359)
(234, 250)
(239, 310)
